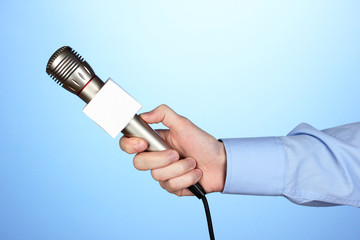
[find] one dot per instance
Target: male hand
(195, 156)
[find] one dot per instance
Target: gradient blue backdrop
(236, 68)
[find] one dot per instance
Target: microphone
(111, 107)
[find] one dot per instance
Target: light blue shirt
(308, 166)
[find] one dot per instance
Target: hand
(195, 156)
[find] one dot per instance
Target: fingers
(133, 145)
(183, 192)
(152, 160)
(180, 184)
(176, 169)
(163, 114)
(174, 175)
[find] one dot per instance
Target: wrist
(216, 177)
(222, 167)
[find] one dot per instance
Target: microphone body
(137, 127)
(111, 107)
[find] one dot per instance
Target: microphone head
(70, 71)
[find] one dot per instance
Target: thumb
(163, 114)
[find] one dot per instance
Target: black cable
(200, 193)
(208, 218)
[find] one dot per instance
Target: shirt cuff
(255, 166)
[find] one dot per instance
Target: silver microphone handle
(137, 127)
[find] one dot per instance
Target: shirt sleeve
(308, 166)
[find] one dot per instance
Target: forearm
(309, 167)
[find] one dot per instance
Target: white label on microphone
(112, 108)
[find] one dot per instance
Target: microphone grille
(63, 63)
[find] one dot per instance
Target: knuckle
(172, 185)
(156, 175)
(185, 122)
(163, 107)
(137, 162)
(162, 184)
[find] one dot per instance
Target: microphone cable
(208, 218)
(200, 193)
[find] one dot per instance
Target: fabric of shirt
(308, 166)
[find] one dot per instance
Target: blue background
(235, 68)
